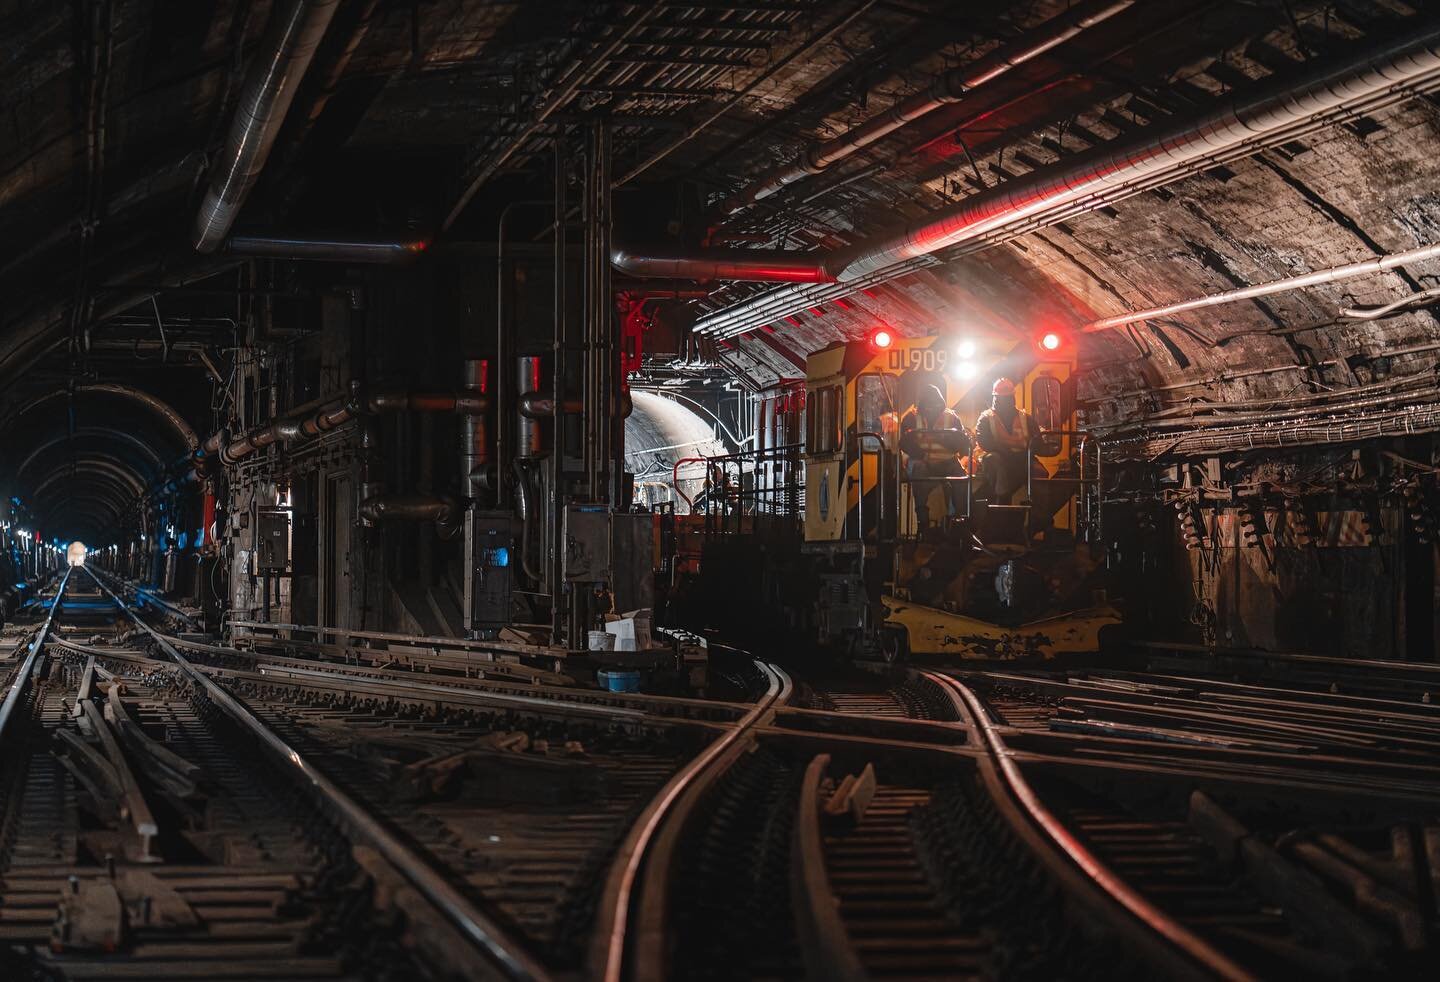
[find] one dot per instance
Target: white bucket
(601, 641)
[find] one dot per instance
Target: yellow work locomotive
(995, 572)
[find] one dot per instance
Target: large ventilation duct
(947, 90)
(1106, 174)
(274, 78)
(772, 266)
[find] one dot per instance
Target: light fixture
(1050, 341)
(882, 339)
(966, 349)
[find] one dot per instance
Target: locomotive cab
(997, 571)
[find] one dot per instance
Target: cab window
(875, 409)
(1045, 402)
(824, 419)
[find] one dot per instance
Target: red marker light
(882, 339)
(1050, 341)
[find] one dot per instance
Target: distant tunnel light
(1050, 341)
(75, 554)
(882, 339)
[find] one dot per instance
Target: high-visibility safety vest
(934, 441)
(995, 437)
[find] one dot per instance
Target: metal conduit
(1331, 275)
(270, 87)
(948, 89)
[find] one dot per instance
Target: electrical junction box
(272, 540)
(587, 543)
(490, 546)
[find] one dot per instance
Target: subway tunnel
(719, 488)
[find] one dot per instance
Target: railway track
(1217, 876)
(276, 816)
(184, 857)
(481, 823)
(875, 859)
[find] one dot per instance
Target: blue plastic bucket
(618, 681)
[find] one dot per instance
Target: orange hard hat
(1003, 387)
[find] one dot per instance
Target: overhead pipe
(372, 471)
(502, 336)
(274, 77)
(468, 403)
(541, 405)
(1335, 273)
(339, 249)
(527, 513)
(639, 293)
(1404, 303)
(946, 90)
(442, 509)
(311, 425)
(1362, 83)
(474, 440)
(754, 265)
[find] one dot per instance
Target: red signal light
(1051, 341)
(882, 339)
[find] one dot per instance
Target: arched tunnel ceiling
(409, 102)
(81, 462)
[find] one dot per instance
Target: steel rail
(827, 949)
(1059, 842)
(497, 687)
(475, 926)
(612, 936)
(455, 693)
(27, 667)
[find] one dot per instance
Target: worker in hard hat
(1003, 432)
(933, 440)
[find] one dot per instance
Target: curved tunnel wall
(659, 433)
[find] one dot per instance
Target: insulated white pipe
(1331, 275)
